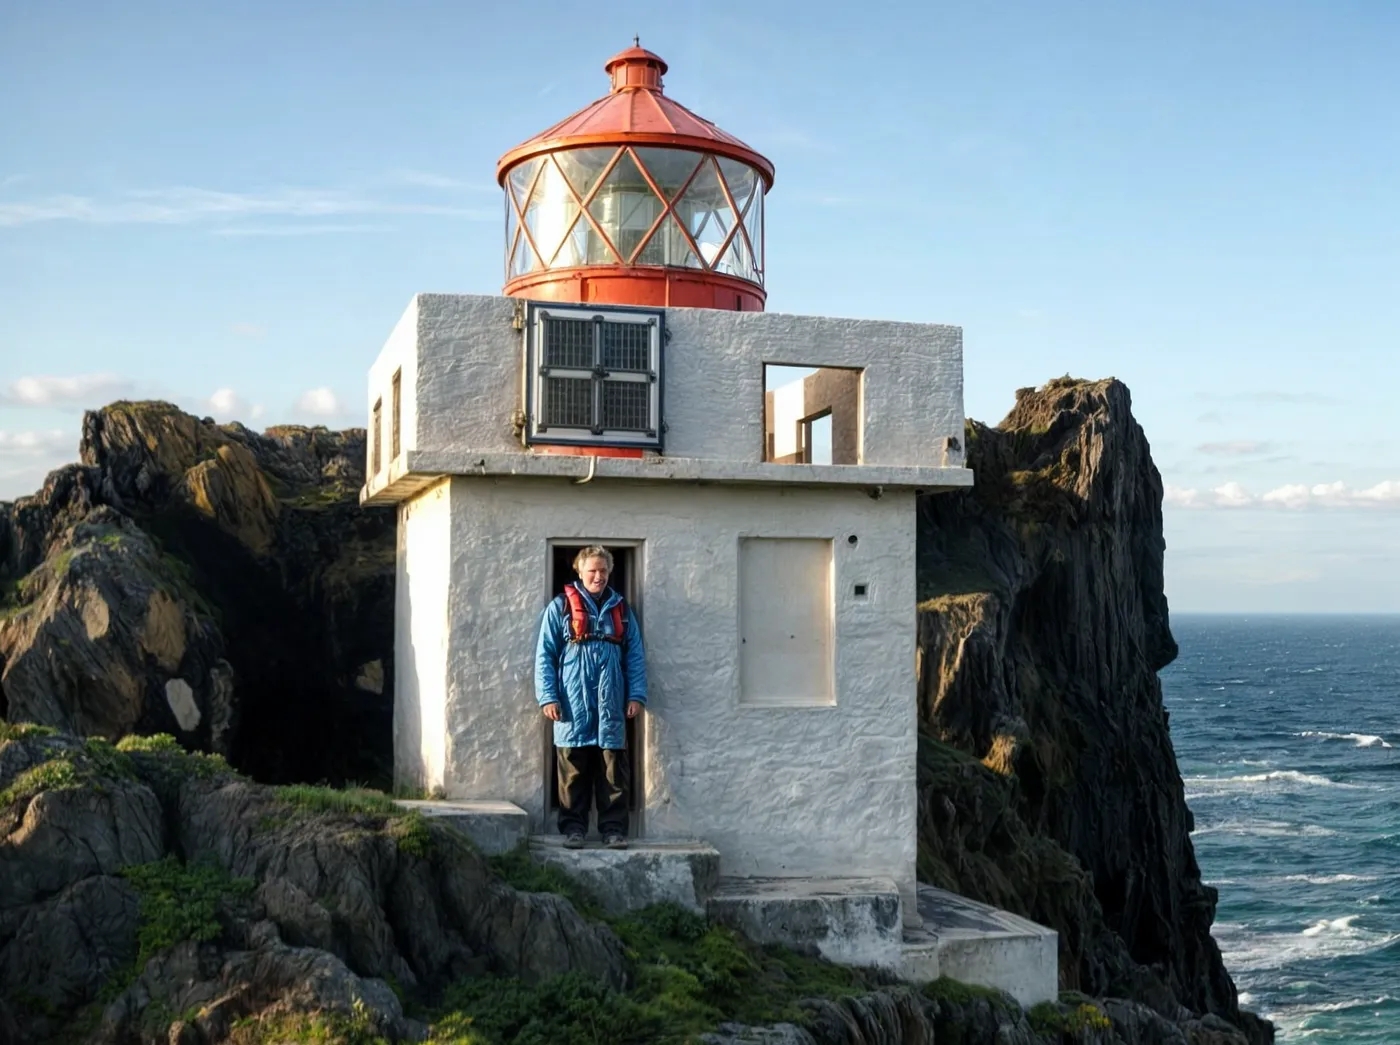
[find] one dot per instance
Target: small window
(395, 412)
(595, 376)
(376, 438)
(811, 415)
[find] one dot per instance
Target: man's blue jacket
(594, 680)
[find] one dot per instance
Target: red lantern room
(635, 200)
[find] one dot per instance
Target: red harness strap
(581, 621)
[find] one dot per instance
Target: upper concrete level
(450, 391)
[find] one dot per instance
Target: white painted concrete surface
(989, 947)
(852, 921)
(462, 363)
(646, 873)
(493, 827)
(421, 599)
(780, 791)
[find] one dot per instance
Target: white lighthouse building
(754, 474)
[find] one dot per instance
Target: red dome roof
(635, 112)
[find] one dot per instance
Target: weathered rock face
(340, 904)
(209, 582)
(1042, 628)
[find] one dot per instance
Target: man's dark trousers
(588, 773)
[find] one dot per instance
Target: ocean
(1287, 731)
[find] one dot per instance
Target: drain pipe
(592, 470)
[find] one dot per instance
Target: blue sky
(230, 205)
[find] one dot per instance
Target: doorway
(626, 581)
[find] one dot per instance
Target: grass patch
(519, 869)
(955, 992)
(410, 832)
(357, 801)
(68, 768)
(180, 902)
(23, 731)
(688, 977)
(1051, 1019)
(162, 763)
(301, 1028)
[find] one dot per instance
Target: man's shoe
(615, 842)
(573, 840)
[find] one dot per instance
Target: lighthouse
(636, 200)
(755, 475)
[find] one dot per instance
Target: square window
(595, 376)
(811, 415)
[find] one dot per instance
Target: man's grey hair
(593, 551)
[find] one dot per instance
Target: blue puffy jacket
(593, 680)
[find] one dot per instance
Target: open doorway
(626, 581)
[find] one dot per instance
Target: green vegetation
(180, 902)
(301, 1028)
(356, 801)
(68, 767)
(520, 870)
(955, 992)
(23, 730)
(410, 832)
(1050, 1019)
(688, 976)
(164, 765)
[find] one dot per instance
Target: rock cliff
(223, 586)
(1048, 781)
(209, 582)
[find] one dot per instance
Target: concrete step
(854, 921)
(493, 827)
(982, 945)
(645, 873)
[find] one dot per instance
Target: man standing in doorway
(590, 672)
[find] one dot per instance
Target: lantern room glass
(635, 206)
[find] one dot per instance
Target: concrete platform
(854, 921)
(493, 827)
(983, 945)
(646, 873)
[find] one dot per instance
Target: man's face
(594, 574)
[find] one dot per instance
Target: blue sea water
(1287, 731)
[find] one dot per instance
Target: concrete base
(623, 880)
(983, 945)
(493, 827)
(854, 921)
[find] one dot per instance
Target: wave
(1293, 1018)
(1265, 829)
(1246, 950)
(1360, 739)
(1273, 780)
(1326, 879)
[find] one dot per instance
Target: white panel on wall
(785, 621)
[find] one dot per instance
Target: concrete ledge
(854, 921)
(623, 880)
(987, 946)
(413, 470)
(493, 827)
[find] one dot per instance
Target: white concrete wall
(400, 352)
(467, 381)
(783, 791)
(421, 594)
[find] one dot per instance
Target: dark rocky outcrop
(1043, 625)
(338, 906)
(210, 582)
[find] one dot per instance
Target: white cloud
(1291, 496)
(37, 444)
(227, 405)
(80, 390)
(322, 403)
(248, 330)
(180, 205)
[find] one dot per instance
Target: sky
(229, 206)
